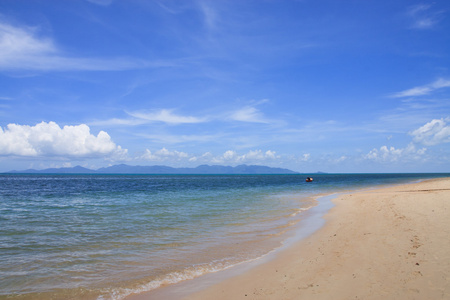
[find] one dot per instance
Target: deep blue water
(105, 236)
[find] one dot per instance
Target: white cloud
(164, 138)
(305, 157)
(270, 154)
(423, 17)
(206, 157)
(434, 132)
(209, 14)
(48, 139)
(341, 159)
(253, 156)
(121, 122)
(416, 91)
(21, 48)
(423, 90)
(248, 114)
(144, 117)
(440, 83)
(6, 98)
(19, 45)
(391, 154)
(165, 116)
(101, 2)
(164, 155)
(229, 157)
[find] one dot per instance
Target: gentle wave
(171, 278)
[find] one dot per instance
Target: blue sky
(310, 85)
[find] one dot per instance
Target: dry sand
(390, 243)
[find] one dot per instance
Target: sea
(75, 236)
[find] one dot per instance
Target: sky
(339, 86)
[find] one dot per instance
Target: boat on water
(309, 179)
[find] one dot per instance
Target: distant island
(127, 169)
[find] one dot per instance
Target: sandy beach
(389, 243)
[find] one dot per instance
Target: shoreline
(313, 221)
(376, 243)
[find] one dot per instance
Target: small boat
(309, 179)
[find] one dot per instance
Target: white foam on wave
(168, 279)
(300, 210)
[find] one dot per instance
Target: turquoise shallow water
(106, 236)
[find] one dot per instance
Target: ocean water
(108, 236)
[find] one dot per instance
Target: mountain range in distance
(127, 169)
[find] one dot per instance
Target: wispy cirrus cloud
(23, 48)
(166, 116)
(101, 2)
(423, 16)
(209, 13)
(141, 117)
(6, 99)
(172, 139)
(248, 114)
(424, 89)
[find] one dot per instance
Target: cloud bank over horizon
(76, 141)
